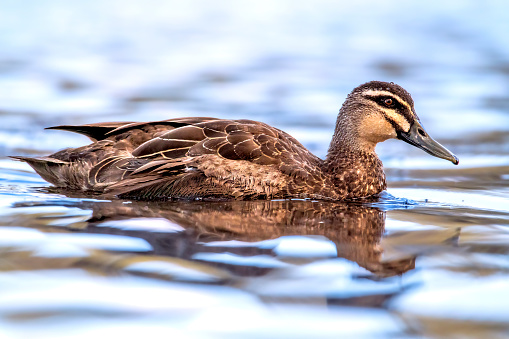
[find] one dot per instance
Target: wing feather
(95, 132)
(168, 163)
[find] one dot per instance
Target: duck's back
(186, 158)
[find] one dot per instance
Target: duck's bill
(418, 137)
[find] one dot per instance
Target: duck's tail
(57, 172)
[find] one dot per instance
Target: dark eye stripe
(393, 123)
(379, 99)
(397, 106)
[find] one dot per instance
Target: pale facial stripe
(392, 115)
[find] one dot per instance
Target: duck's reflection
(355, 229)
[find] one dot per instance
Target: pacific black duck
(208, 158)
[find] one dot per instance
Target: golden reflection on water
(355, 229)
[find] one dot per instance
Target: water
(427, 260)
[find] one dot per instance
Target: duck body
(216, 159)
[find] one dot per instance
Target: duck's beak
(418, 137)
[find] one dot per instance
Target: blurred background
(289, 64)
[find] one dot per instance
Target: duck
(203, 158)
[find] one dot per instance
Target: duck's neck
(355, 170)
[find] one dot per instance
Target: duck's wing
(104, 130)
(192, 151)
(247, 140)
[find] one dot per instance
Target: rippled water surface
(429, 259)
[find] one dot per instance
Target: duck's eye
(388, 102)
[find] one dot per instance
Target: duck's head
(377, 111)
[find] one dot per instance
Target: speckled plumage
(210, 158)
